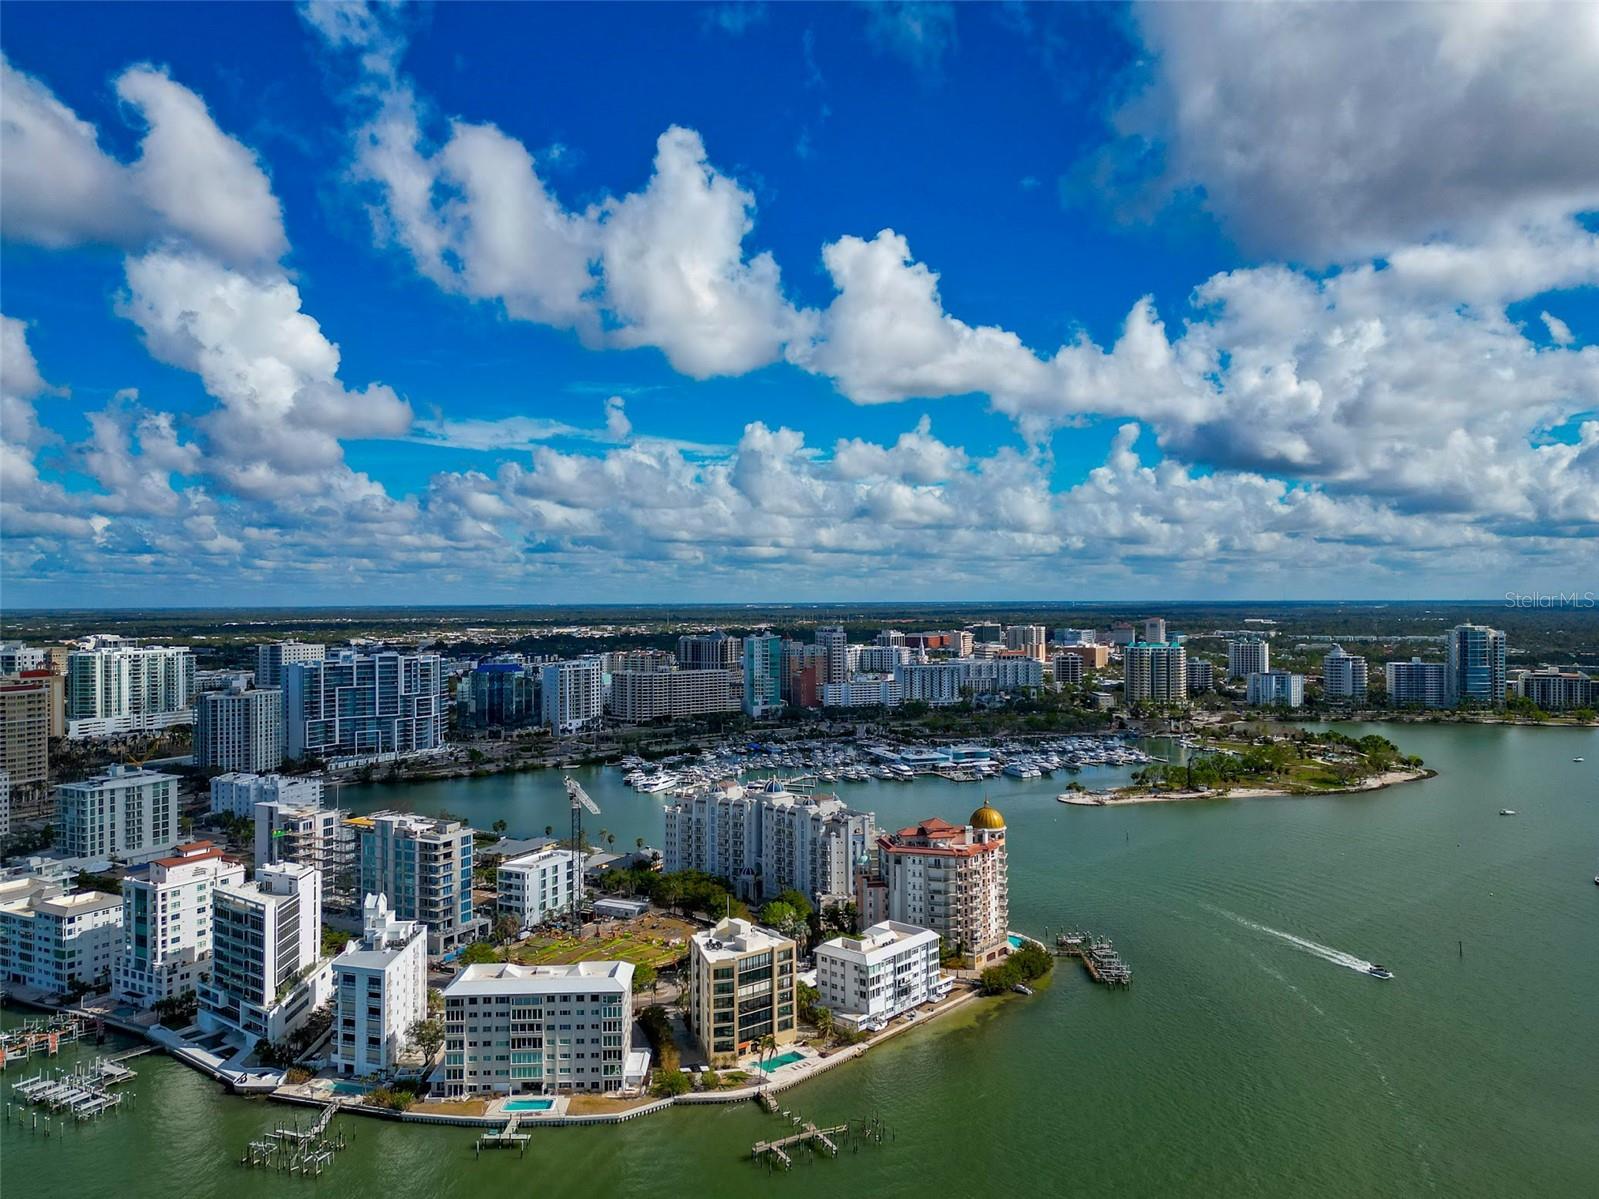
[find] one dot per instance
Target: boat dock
(504, 1138)
(306, 1152)
(85, 1092)
(778, 1154)
(810, 1135)
(39, 1034)
(1099, 958)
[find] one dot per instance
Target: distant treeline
(222, 636)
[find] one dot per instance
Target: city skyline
(329, 305)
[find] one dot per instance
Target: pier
(85, 1092)
(39, 1034)
(1099, 958)
(306, 1152)
(504, 1138)
(777, 1154)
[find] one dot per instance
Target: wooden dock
(306, 1152)
(809, 1136)
(504, 1138)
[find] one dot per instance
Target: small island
(1236, 764)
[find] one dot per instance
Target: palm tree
(768, 1044)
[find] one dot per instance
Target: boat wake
(1326, 953)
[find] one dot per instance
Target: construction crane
(580, 803)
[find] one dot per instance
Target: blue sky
(638, 302)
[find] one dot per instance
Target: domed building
(950, 878)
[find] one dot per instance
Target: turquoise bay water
(1250, 1058)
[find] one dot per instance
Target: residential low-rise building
(867, 980)
(379, 992)
(58, 944)
(862, 691)
(166, 923)
(741, 988)
(535, 887)
(541, 1030)
(237, 794)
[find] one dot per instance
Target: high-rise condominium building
(541, 1030)
(363, 704)
(239, 729)
(116, 687)
(1247, 656)
(1416, 684)
(640, 695)
(1156, 673)
(1343, 677)
(1276, 689)
(267, 973)
(835, 645)
(1068, 669)
(166, 923)
(571, 695)
(1201, 676)
(766, 840)
(504, 694)
(379, 992)
(741, 988)
(763, 673)
(1031, 639)
(1474, 661)
(1559, 690)
(25, 729)
(1155, 629)
(308, 833)
(17, 658)
(950, 878)
(710, 651)
(272, 659)
(424, 867)
(130, 815)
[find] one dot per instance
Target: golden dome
(987, 816)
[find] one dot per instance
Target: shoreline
(647, 1105)
(1390, 778)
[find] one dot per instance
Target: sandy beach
(1089, 799)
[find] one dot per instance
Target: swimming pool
(777, 1063)
(529, 1105)
(1016, 942)
(348, 1088)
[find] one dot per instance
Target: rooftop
(734, 938)
(508, 978)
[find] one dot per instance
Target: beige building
(25, 723)
(741, 989)
(950, 878)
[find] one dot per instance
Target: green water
(1239, 1064)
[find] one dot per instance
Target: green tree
(428, 1036)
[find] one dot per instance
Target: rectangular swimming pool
(777, 1063)
(529, 1105)
(348, 1088)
